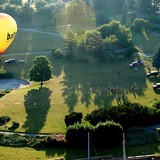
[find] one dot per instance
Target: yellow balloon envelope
(8, 30)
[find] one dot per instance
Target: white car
(156, 86)
(152, 74)
(20, 60)
(133, 64)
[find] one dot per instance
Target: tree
(156, 60)
(140, 24)
(93, 41)
(41, 70)
(26, 13)
(40, 5)
(70, 44)
(122, 33)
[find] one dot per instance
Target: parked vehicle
(156, 86)
(9, 61)
(20, 60)
(152, 74)
(135, 64)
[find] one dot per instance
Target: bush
(140, 135)
(128, 115)
(157, 104)
(99, 115)
(107, 134)
(4, 120)
(74, 117)
(140, 24)
(57, 53)
(13, 140)
(76, 134)
(131, 114)
(17, 140)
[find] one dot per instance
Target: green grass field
(75, 87)
(75, 153)
(147, 42)
(34, 41)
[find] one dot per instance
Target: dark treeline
(104, 9)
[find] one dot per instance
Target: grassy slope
(34, 41)
(50, 153)
(75, 87)
(147, 42)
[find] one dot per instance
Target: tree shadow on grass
(37, 104)
(88, 83)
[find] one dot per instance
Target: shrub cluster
(74, 117)
(128, 115)
(107, 124)
(107, 133)
(13, 140)
(140, 135)
(17, 140)
(157, 104)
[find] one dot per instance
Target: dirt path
(40, 31)
(26, 53)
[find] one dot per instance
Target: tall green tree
(26, 13)
(70, 44)
(39, 4)
(122, 33)
(41, 70)
(140, 24)
(93, 41)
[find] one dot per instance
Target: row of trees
(99, 43)
(104, 9)
(24, 12)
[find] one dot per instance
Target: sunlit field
(75, 153)
(34, 40)
(75, 86)
(147, 42)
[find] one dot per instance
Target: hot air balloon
(8, 30)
